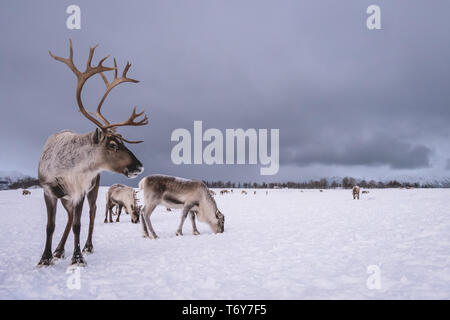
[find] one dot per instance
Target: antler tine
(130, 121)
(82, 77)
(67, 61)
(91, 55)
(125, 71)
(111, 85)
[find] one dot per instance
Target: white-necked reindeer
(355, 192)
(70, 164)
(190, 195)
(121, 196)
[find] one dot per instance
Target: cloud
(341, 95)
(377, 151)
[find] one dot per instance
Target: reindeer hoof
(88, 249)
(179, 233)
(196, 233)
(78, 260)
(58, 254)
(45, 262)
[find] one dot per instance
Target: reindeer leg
(119, 211)
(186, 210)
(110, 214)
(50, 202)
(194, 226)
(147, 227)
(106, 212)
(59, 252)
(92, 199)
(77, 258)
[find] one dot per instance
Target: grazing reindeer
(222, 192)
(355, 192)
(121, 196)
(243, 192)
(193, 196)
(70, 164)
(364, 192)
(26, 192)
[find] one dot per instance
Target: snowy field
(285, 245)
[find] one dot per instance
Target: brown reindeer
(70, 164)
(355, 192)
(120, 196)
(190, 195)
(26, 192)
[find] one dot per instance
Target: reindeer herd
(70, 166)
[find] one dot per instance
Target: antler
(82, 77)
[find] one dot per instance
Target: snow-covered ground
(285, 245)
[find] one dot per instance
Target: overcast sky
(347, 101)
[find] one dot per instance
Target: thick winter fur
(69, 170)
(190, 195)
(355, 192)
(121, 196)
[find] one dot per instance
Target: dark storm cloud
(375, 152)
(340, 94)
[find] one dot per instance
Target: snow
(284, 245)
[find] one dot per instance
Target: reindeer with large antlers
(70, 164)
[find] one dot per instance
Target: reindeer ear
(98, 136)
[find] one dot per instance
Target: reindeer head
(135, 210)
(113, 155)
(220, 224)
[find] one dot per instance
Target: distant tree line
(345, 183)
(24, 183)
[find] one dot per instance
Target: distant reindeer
(121, 196)
(222, 192)
(355, 192)
(190, 195)
(364, 192)
(70, 164)
(321, 190)
(254, 192)
(26, 192)
(243, 192)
